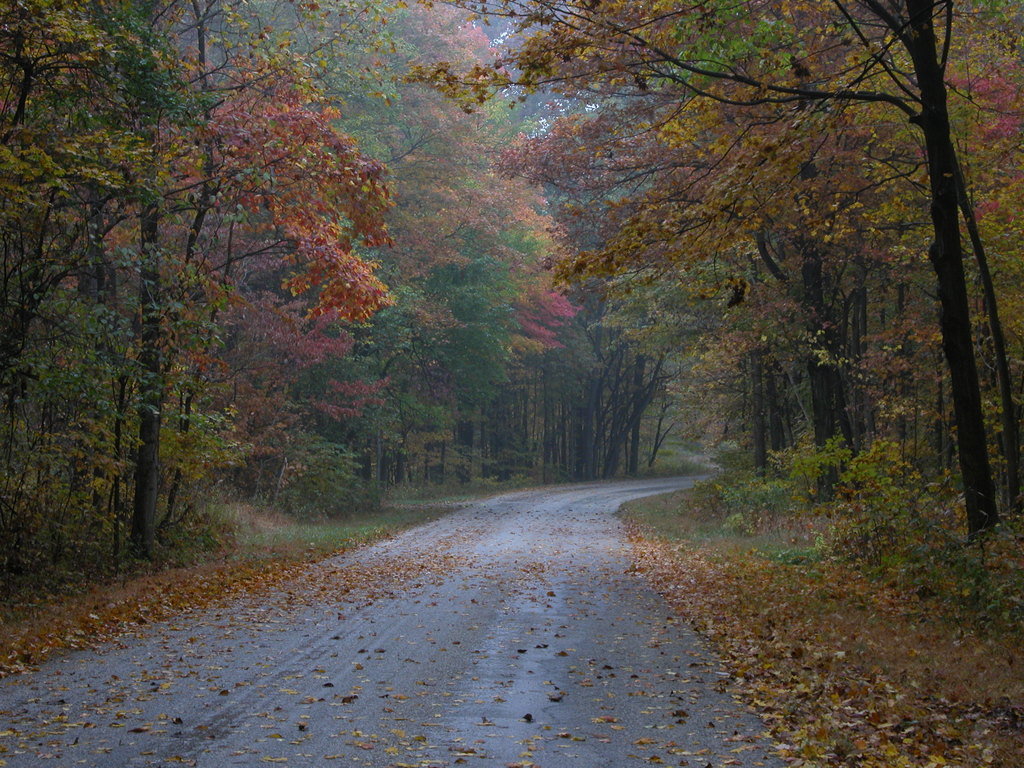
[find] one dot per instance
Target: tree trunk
(633, 467)
(184, 424)
(757, 408)
(147, 461)
(776, 427)
(946, 255)
(828, 399)
(661, 433)
(1010, 435)
(828, 396)
(633, 463)
(587, 451)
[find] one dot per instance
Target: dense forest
(244, 254)
(303, 252)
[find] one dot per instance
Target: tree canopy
(303, 252)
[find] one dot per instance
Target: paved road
(510, 633)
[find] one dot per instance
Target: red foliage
(351, 397)
(282, 157)
(541, 313)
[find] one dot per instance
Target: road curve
(509, 633)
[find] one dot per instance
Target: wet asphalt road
(509, 633)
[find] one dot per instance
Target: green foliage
(321, 482)
(203, 452)
(754, 503)
(730, 36)
(903, 530)
(61, 452)
(150, 87)
(478, 295)
(880, 510)
(809, 464)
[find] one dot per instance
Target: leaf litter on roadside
(784, 637)
(160, 597)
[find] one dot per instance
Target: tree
(157, 167)
(782, 59)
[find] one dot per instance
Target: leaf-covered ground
(267, 550)
(846, 673)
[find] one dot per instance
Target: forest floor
(847, 672)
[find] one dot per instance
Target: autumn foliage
(303, 253)
(817, 171)
(245, 256)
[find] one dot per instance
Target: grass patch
(713, 516)
(262, 534)
(679, 458)
(455, 492)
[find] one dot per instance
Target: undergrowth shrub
(322, 481)
(813, 469)
(879, 511)
(754, 504)
(739, 500)
(903, 530)
(885, 517)
(194, 537)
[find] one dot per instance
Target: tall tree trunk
(757, 407)
(184, 425)
(661, 433)
(829, 414)
(772, 396)
(147, 460)
(633, 462)
(946, 255)
(587, 450)
(633, 465)
(550, 439)
(1010, 435)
